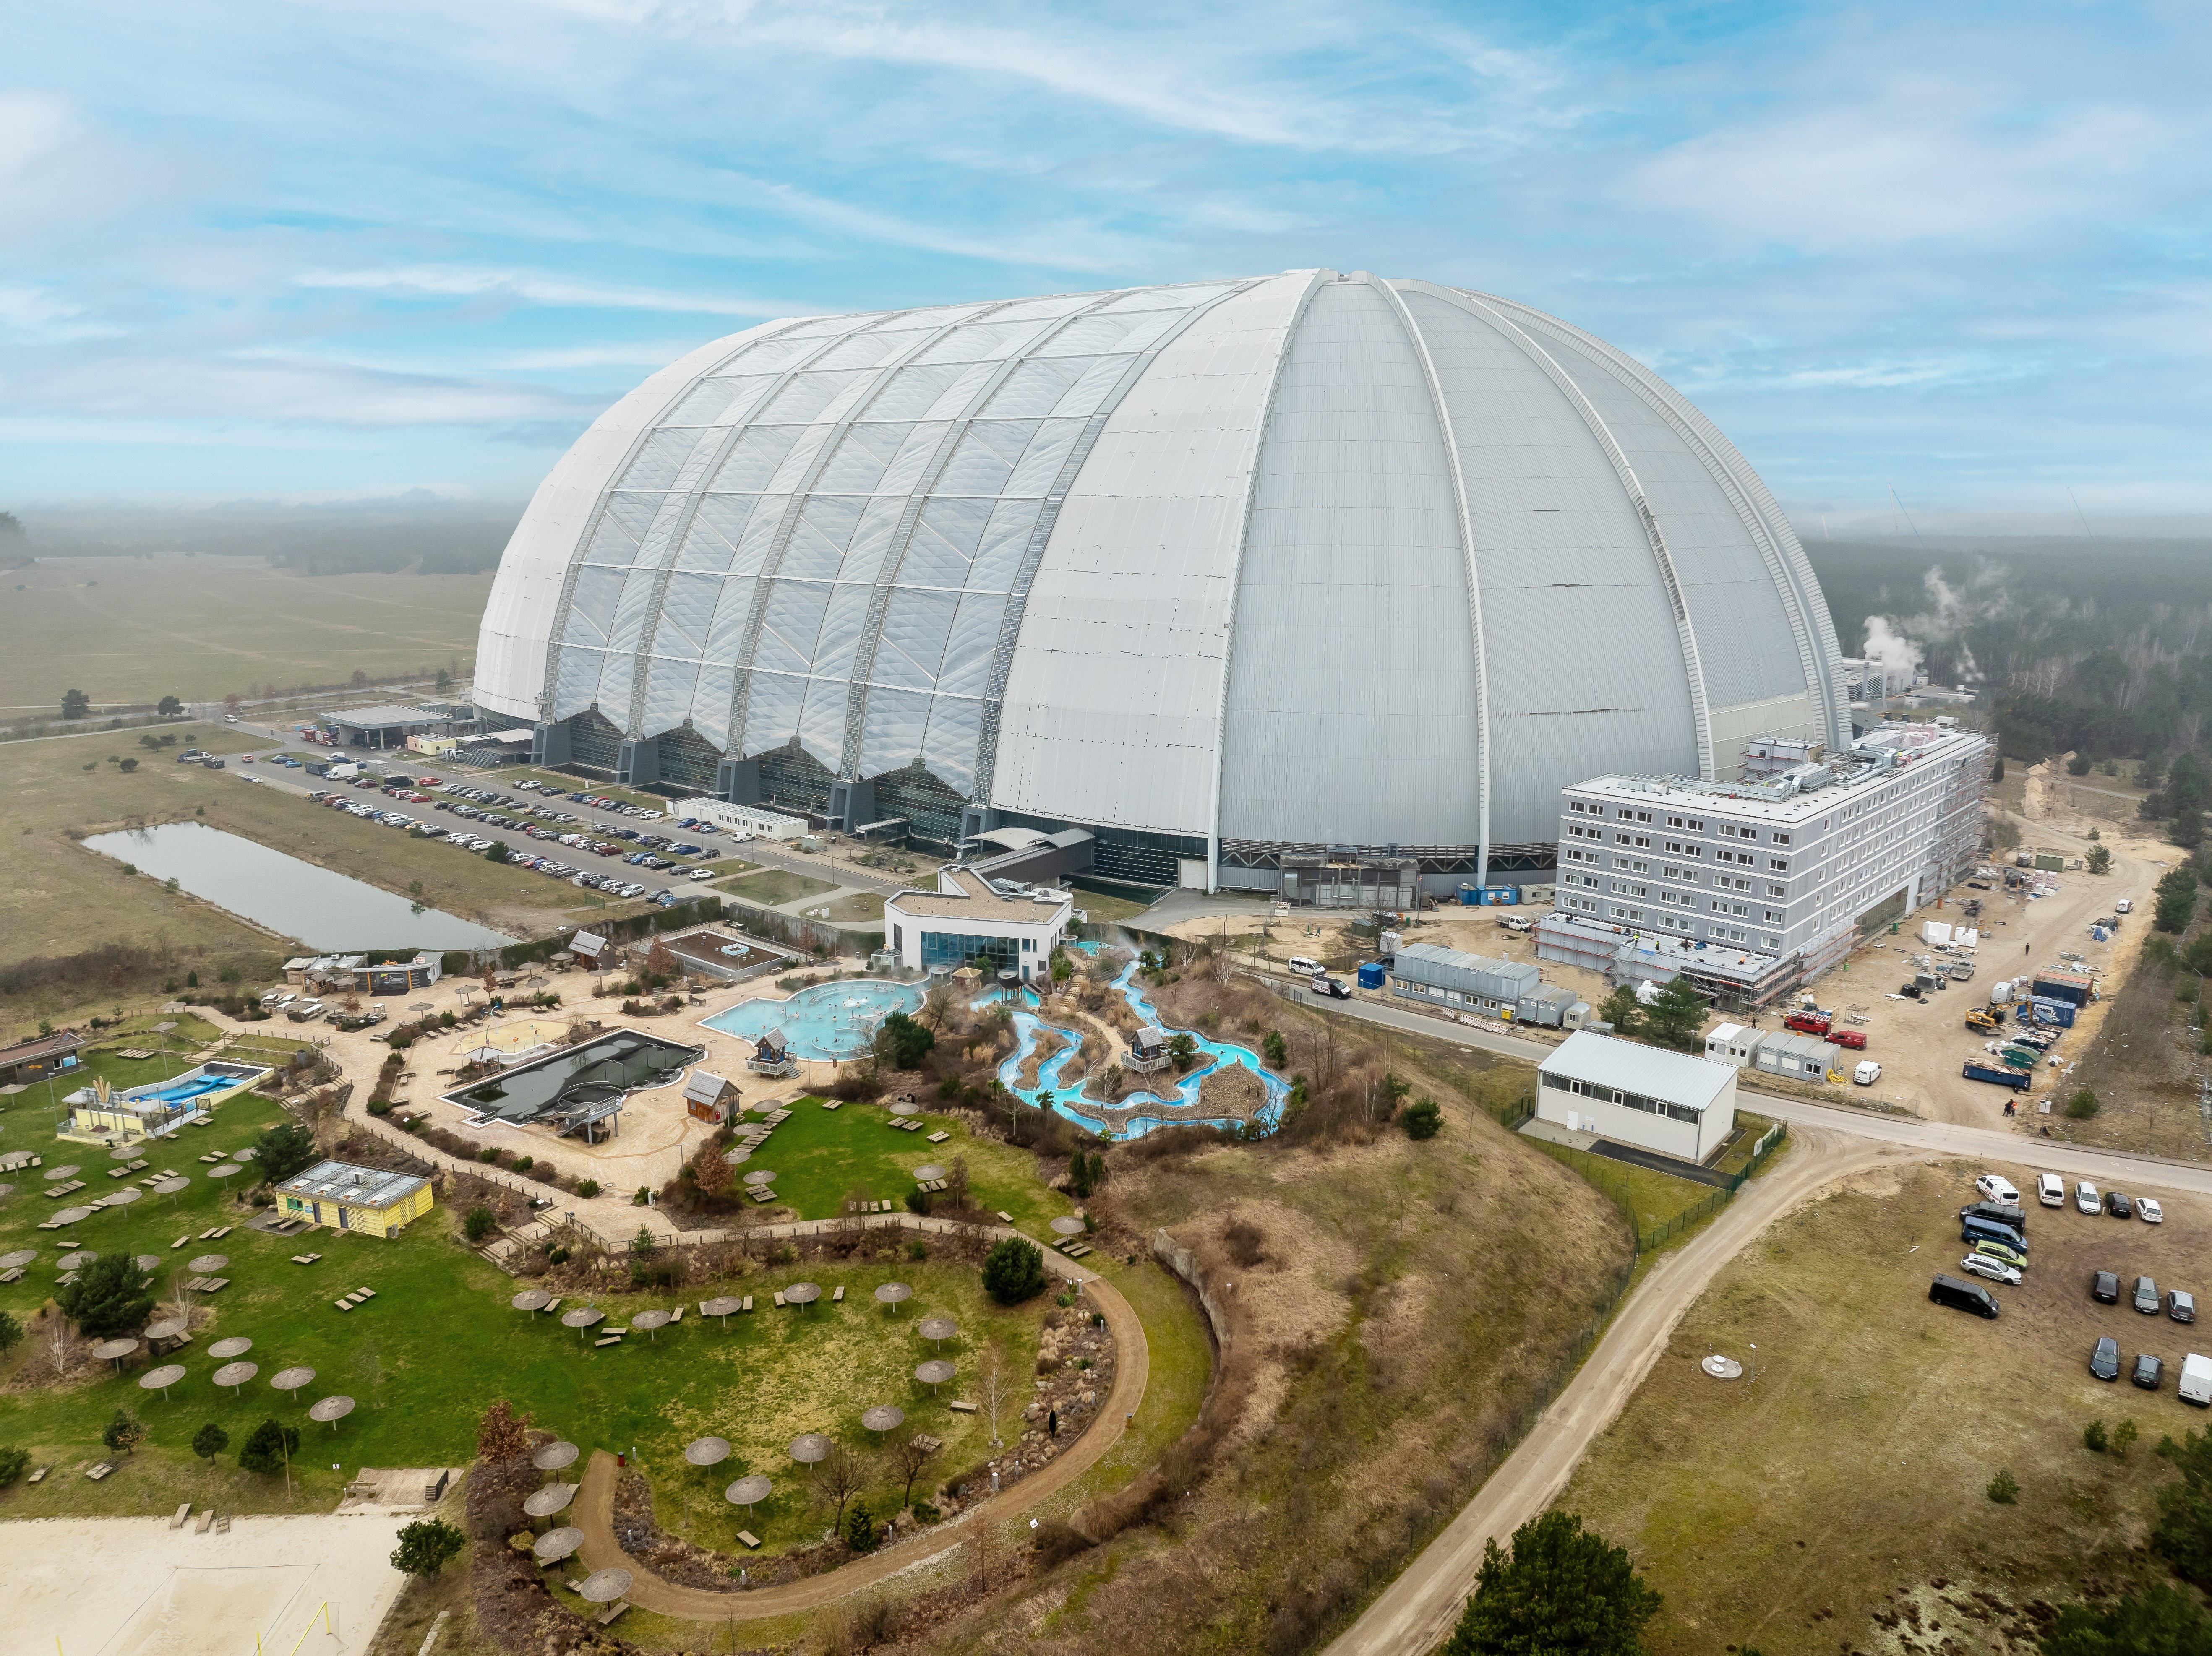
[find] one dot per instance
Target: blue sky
(297, 251)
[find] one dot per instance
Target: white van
(1300, 966)
(2050, 1190)
(2124, 905)
(2197, 1381)
(1866, 1074)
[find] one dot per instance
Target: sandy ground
(133, 1587)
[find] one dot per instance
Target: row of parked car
(1994, 1230)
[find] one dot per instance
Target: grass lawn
(1104, 910)
(777, 885)
(858, 906)
(1801, 1510)
(759, 1381)
(136, 629)
(819, 1156)
(1655, 1198)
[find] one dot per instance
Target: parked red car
(1854, 1039)
(1810, 1022)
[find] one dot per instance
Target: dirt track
(1418, 1610)
(595, 1501)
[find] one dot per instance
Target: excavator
(1982, 1018)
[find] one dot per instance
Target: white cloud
(466, 282)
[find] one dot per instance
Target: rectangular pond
(325, 911)
(581, 1087)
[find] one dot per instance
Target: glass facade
(958, 949)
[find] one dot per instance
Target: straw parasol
(533, 1299)
(129, 1193)
(933, 1374)
(760, 1176)
(707, 1451)
(245, 1155)
(803, 1294)
(883, 1417)
(582, 1318)
(146, 1261)
(236, 1345)
(70, 1216)
(939, 1328)
(172, 1188)
(603, 1586)
(79, 1261)
(420, 1006)
(721, 1306)
(906, 1109)
(21, 1256)
(167, 1329)
(55, 1175)
(929, 1173)
(115, 1350)
(892, 1294)
(1067, 1226)
(122, 1153)
(544, 1503)
(809, 1448)
(556, 1545)
(333, 1409)
(748, 1492)
(225, 1171)
(235, 1375)
(651, 1321)
(206, 1262)
(160, 1379)
(552, 1457)
(291, 1380)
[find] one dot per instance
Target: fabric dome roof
(1275, 564)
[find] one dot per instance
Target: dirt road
(595, 1506)
(1418, 1610)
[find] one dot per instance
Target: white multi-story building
(968, 918)
(1783, 863)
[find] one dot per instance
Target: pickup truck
(1516, 923)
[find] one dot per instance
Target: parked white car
(2148, 1210)
(1980, 1265)
(1995, 1187)
(2050, 1190)
(2087, 1198)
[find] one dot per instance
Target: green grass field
(759, 1380)
(820, 1156)
(134, 630)
(776, 885)
(857, 905)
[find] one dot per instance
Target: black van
(1997, 1213)
(1963, 1296)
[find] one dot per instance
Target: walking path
(594, 1508)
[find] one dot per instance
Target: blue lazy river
(1138, 1112)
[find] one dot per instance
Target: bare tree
(996, 1387)
(1322, 1050)
(840, 1476)
(502, 1435)
(911, 1455)
(57, 1341)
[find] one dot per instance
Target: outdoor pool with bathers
(829, 1020)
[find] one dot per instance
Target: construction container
(2061, 985)
(1802, 1058)
(1546, 1006)
(1501, 896)
(1470, 896)
(1372, 975)
(2040, 1009)
(1392, 941)
(2049, 863)
(1461, 982)
(1538, 894)
(1734, 1044)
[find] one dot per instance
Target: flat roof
(973, 900)
(1913, 745)
(391, 714)
(341, 1181)
(1675, 1076)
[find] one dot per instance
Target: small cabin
(709, 1097)
(772, 1056)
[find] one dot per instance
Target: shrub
(2094, 1438)
(1246, 1245)
(859, 1524)
(110, 1296)
(902, 1043)
(2003, 1489)
(286, 1149)
(917, 1250)
(2083, 1105)
(1014, 1271)
(210, 1441)
(1423, 1119)
(12, 1462)
(587, 1188)
(479, 1224)
(426, 1546)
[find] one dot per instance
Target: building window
(1779, 864)
(1781, 839)
(958, 949)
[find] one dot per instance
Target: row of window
(1605, 1094)
(1688, 824)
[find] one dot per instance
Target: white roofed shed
(1669, 1102)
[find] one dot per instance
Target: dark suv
(2105, 1287)
(2117, 1204)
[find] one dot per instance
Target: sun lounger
(13, 1275)
(364, 1293)
(180, 1242)
(677, 1315)
(96, 1473)
(939, 1137)
(613, 1612)
(838, 1298)
(343, 1305)
(209, 1234)
(553, 1304)
(960, 1406)
(834, 1104)
(1008, 1217)
(779, 1299)
(39, 1476)
(177, 1519)
(207, 1517)
(606, 1339)
(305, 1259)
(748, 1305)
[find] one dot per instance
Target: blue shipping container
(1371, 974)
(1470, 896)
(1501, 896)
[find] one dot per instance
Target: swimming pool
(191, 1088)
(828, 1021)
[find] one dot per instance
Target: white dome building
(1223, 573)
